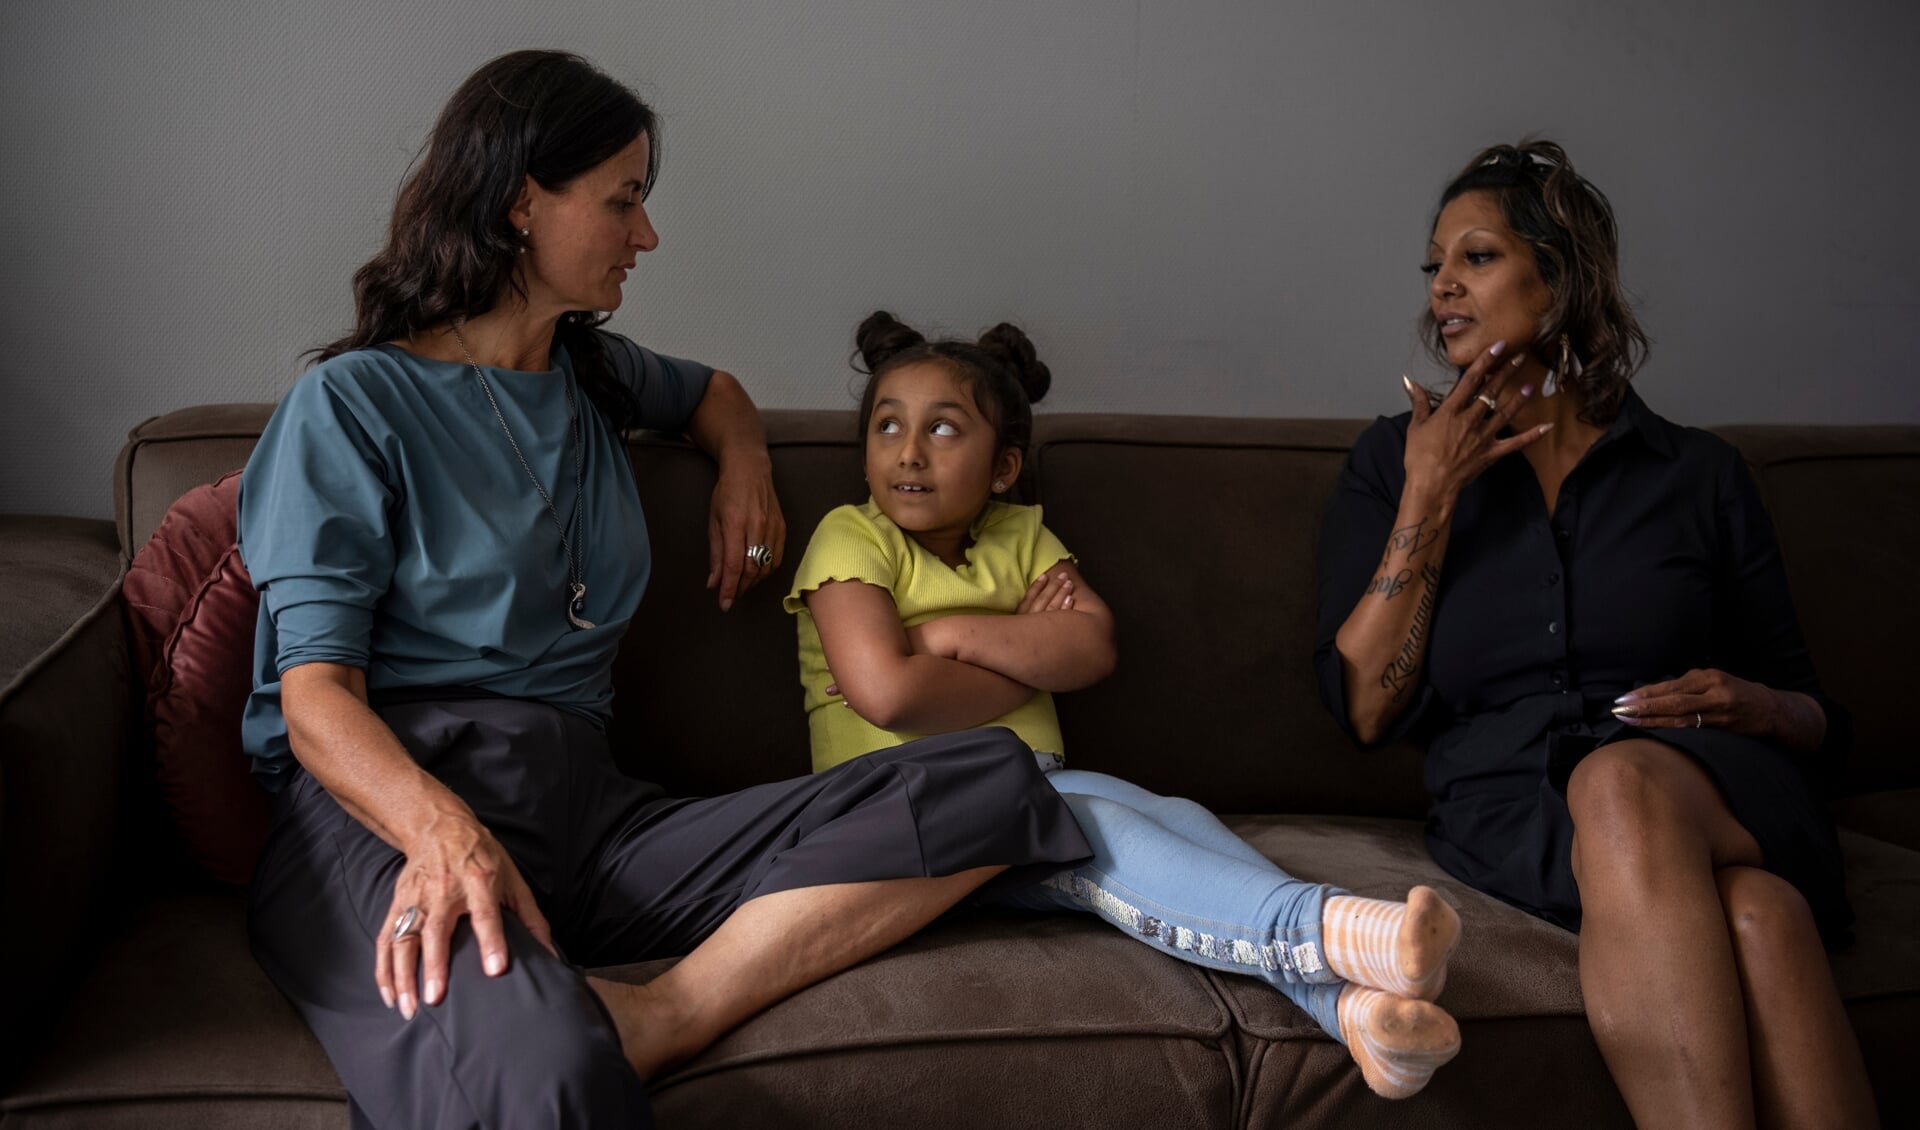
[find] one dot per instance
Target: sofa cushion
(957, 1026)
(174, 1025)
(1200, 534)
(1845, 501)
(174, 1014)
(1514, 987)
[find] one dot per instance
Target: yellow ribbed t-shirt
(1011, 549)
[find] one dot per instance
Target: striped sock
(1400, 947)
(1398, 1043)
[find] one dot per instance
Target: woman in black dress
(1583, 606)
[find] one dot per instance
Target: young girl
(935, 607)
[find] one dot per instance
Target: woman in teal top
(448, 545)
(460, 601)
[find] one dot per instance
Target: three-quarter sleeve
(1756, 632)
(669, 389)
(1353, 534)
(313, 530)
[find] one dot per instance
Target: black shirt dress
(1658, 559)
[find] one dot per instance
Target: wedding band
(407, 923)
(1698, 719)
(1492, 404)
(760, 555)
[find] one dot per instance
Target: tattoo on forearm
(1389, 586)
(1410, 540)
(1403, 672)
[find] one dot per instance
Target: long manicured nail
(1545, 428)
(386, 996)
(1627, 711)
(1406, 380)
(495, 963)
(1630, 696)
(1526, 390)
(1497, 348)
(406, 1005)
(432, 995)
(1519, 359)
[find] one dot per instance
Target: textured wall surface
(1193, 205)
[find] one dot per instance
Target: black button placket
(1565, 520)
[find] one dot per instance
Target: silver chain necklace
(577, 600)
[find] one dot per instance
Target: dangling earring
(1552, 384)
(523, 240)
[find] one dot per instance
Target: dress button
(1553, 578)
(1560, 533)
(1559, 680)
(1553, 627)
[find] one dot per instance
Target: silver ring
(760, 555)
(407, 923)
(1698, 719)
(1492, 404)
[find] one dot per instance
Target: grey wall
(1193, 205)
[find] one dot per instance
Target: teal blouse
(389, 526)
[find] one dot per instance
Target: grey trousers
(622, 875)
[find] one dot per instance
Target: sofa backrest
(1845, 502)
(1201, 534)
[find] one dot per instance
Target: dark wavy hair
(1576, 248)
(451, 251)
(1001, 371)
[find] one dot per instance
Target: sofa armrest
(66, 714)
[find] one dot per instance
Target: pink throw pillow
(200, 674)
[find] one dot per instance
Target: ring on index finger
(1492, 404)
(408, 923)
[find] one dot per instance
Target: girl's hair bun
(1010, 345)
(881, 336)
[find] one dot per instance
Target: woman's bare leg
(1656, 962)
(768, 949)
(1807, 1070)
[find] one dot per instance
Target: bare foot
(655, 1033)
(1398, 1043)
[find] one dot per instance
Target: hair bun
(881, 336)
(1011, 346)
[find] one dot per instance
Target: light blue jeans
(1168, 873)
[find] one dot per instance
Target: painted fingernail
(386, 996)
(1497, 348)
(1545, 428)
(432, 995)
(1067, 603)
(1626, 711)
(1526, 390)
(1519, 359)
(495, 963)
(1628, 697)
(1406, 380)
(406, 1005)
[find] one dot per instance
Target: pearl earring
(998, 485)
(523, 240)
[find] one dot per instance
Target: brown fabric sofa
(130, 998)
